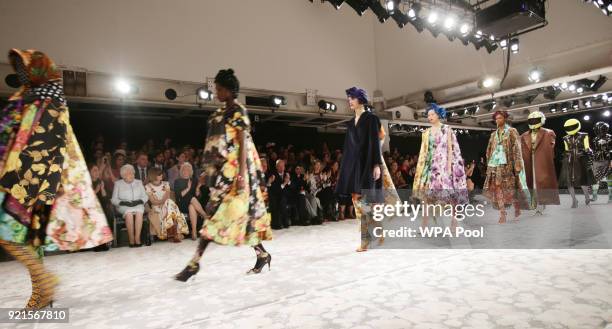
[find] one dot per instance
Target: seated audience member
(165, 218)
(174, 171)
(281, 195)
(320, 187)
(98, 186)
(129, 197)
(187, 190)
(142, 166)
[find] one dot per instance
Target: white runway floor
(318, 281)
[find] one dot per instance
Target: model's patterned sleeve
(239, 119)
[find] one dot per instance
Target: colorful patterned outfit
(237, 217)
(440, 172)
(504, 185)
(45, 187)
(166, 216)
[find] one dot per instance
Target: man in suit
(142, 167)
(281, 195)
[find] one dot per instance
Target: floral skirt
(166, 216)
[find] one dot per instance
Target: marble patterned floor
(318, 281)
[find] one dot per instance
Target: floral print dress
(45, 187)
(440, 173)
(168, 213)
(237, 216)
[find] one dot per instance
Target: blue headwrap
(440, 111)
(358, 94)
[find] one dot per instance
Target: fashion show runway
(318, 281)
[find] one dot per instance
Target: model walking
(45, 187)
(440, 173)
(578, 161)
(363, 173)
(505, 183)
(237, 209)
(538, 150)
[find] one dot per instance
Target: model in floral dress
(167, 221)
(233, 171)
(45, 187)
(440, 173)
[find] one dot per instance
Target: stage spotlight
(400, 18)
(390, 6)
(477, 109)
(123, 87)
(336, 3)
(503, 44)
(413, 12)
(380, 11)
(572, 87)
(564, 107)
(449, 23)
(432, 18)
(327, 106)
(535, 75)
(580, 90)
(487, 82)
(588, 104)
(553, 109)
(564, 85)
(478, 34)
(514, 46)
(170, 94)
(491, 47)
(551, 93)
(604, 97)
(606, 113)
(594, 86)
(492, 37)
(358, 5)
(12, 81)
(277, 101)
(575, 105)
(204, 94)
(586, 118)
(464, 29)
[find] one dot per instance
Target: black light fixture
(390, 6)
(514, 45)
(378, 10)
(170, 94)
(336, 3)
(277, 101)
(400, 18)
(552, 93)
(595, 85)
(359, 6)
(327, 106)
(204, 94)
(413, 11)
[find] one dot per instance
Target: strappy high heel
(189, 271)
(262, 260)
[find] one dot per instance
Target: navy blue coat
(361, 153)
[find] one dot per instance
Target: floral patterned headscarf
(37, 73)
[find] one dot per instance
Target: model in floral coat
(45, 187)
(440, 172)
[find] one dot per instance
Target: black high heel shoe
(189, 271)
(265, 258)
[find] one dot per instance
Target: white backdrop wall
(287, 45)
